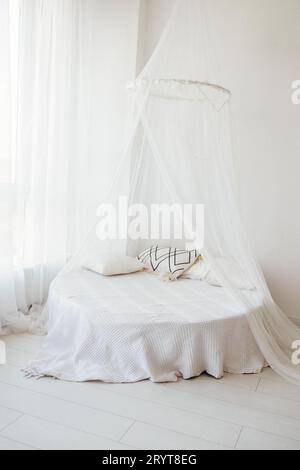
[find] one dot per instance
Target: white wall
(114, 36)
(259, 43)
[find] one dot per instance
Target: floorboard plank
(45, 435)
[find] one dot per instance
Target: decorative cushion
(170, 263)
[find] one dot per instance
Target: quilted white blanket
(135, 327)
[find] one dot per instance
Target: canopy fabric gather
(179, 151)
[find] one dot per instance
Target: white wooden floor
(237, 412)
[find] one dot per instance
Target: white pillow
(111, 264)
(202, 271)
(170, 263)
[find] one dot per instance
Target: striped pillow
(169, 262)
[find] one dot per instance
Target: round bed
(136, 327)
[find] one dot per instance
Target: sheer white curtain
(37, 121)
(64, 65)
(8, 297)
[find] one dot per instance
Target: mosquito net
(179, 151)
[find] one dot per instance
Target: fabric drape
(180, 151)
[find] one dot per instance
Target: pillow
(200, 271)
(203, 272)
(111, 264)
(170, 263)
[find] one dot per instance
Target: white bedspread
(135, 327)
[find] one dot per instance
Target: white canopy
(179, 151)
